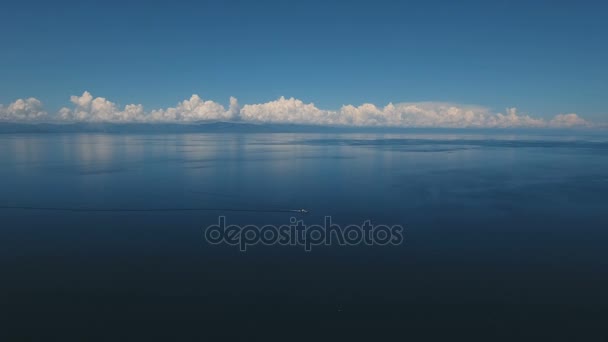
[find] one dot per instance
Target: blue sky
(543, 57)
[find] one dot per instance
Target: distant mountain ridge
(244, 127)
(214, 127)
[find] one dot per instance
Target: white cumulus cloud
(286, 111)
(421, 114)
(195, 109)
(568, 120)
(87, 108)
(99, 109)
(22, 110)
(433, 114)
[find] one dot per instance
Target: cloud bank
(87, 108)
(23, 110)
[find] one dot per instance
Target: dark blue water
(505, 236)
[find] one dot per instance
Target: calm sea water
(505, 236)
